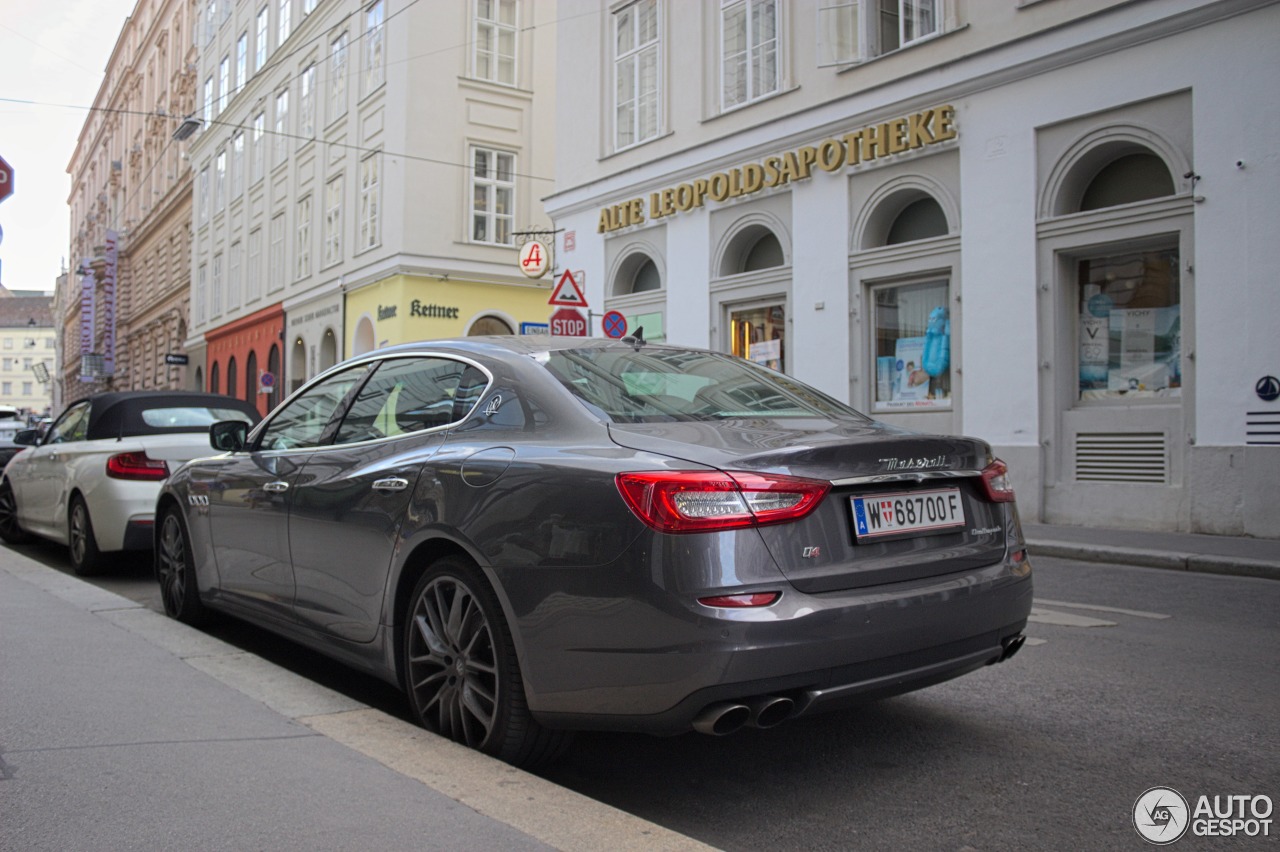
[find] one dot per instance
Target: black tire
(461, 670)
(86, 559)
(175, 570)
(10, 530)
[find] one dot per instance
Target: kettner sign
(885, 139)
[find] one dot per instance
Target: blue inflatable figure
(937, 343)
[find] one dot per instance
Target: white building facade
(1042, 223)
(358, 162)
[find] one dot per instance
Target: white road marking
(1134, 612)
(1066, 619)
(1031, 641)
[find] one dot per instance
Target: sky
(52, 56)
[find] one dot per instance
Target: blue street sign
(615, 324)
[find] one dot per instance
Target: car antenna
(636, 339)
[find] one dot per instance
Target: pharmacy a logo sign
(1160, 815)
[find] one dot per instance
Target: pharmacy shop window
(912, 363)
(1130, 326)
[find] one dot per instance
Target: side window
(404, 395)
(302, 422)
(71, 426)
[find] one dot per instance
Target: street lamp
(187, 128)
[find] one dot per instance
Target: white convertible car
(91, 482)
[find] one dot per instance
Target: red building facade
(243, 358)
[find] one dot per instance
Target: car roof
(119, 413)
(498, 345)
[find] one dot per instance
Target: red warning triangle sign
(567, 292)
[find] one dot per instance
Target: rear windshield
(197, 418)
(662, 385)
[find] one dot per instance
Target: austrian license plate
(907, 512)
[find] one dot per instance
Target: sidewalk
(1212, 554)
(122, 729)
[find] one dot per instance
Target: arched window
(1126, 179)
(213, 379)
(765, 254)
(489, 325)
(919, 220)
(328, 349)
(752, 249)
(297, 364)
(231, 376)
(362, 342)
(199, 379)
(251, 379)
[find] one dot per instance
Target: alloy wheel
(452, 662)
(171, 565)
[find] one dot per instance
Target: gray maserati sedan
(534, 535)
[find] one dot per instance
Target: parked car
(91, 481)
(10, 425)
(533, 535)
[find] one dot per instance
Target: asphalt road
(1177, 684)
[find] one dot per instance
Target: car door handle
(391, 483)
(276, 487)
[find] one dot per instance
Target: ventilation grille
(1262, 428)
(1122, 457)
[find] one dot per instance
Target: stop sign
(6, 179)
(568, 322)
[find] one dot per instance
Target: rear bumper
(821, 651)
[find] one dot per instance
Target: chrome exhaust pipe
(769, 710)
(722, 718)
(1011, 646)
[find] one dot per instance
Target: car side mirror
(27, 437)
(229, 436)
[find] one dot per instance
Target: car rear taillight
(136, 466)
(995, 482)
(708, 501)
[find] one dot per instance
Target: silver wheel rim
(79, 533)
(453, 672)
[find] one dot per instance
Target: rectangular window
(636, 72)
(253, 271)
(8, 365)
(373, 48)
(333, 221)
(220, 182)
(207, 114)
(26, 388)
(282, 126)
(261, 47)
(1130, 326)
(303, 247)
(757, 333)
(492, 196)
(308, 6)
(369, 203)
(224, 82)
(197, 297)
(338, 77)
(493, 56)
(233, 278)
(838, 38)
(904, 21)
(284, 21)
(259, 143)
(749, 51)
(912, 346)
(210, 20)
(6, 388)
(307, 103)
(275, 275)
(215, 292)
(237, 165)
(202, 190)
(242, 60)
